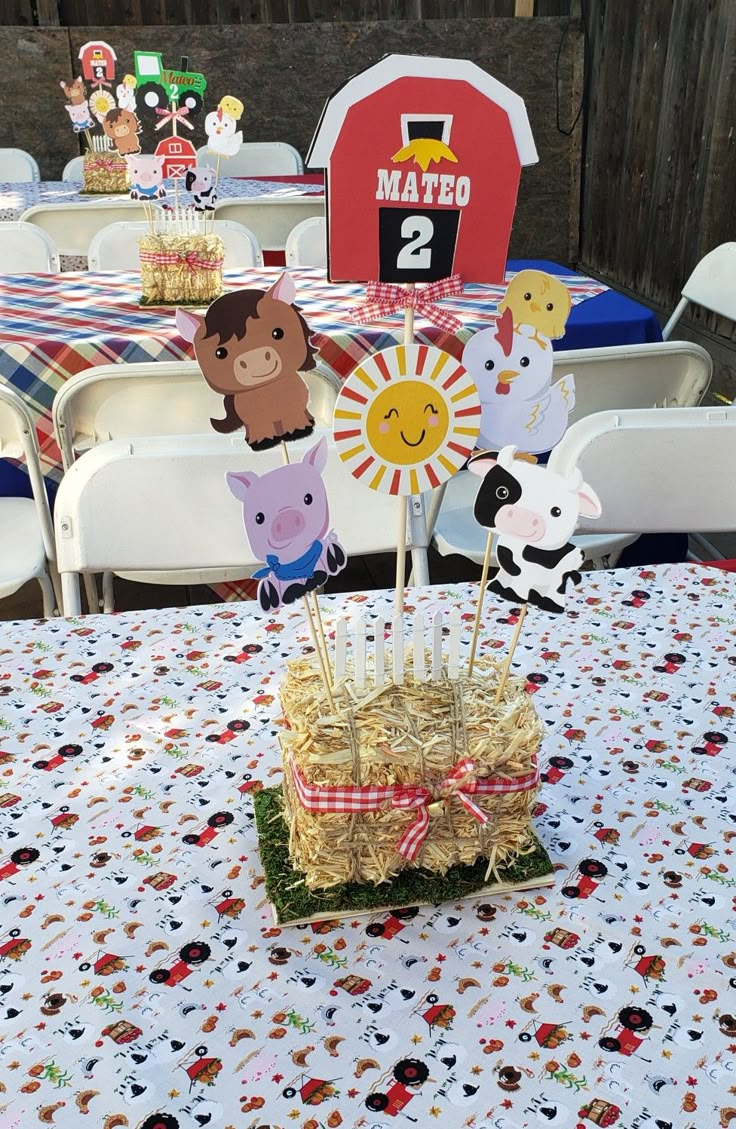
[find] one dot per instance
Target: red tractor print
(312, 1091)
(637, 599)
(437, 1014)
(591, 871)
(393, 924)
(549, 1036)
(214, 825)
(14, 947)
(93, 674)
(63, 754)
(229, 734)
(24, 856)
(671, 664)
(556, 768)
(632, 1020)
(713, 744)
(648, 967)
(534, 681)
(247, 653)
(196, 952)
(408, 1072)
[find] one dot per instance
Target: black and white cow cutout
(534, 513)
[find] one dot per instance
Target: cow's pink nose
(287, 524)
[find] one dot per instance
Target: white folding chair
(665, 471)
(161, 504)
(671, 374)
(72, 226)
(112, 402)
(74, 170)
(115, 247)
(25, 523)
(306, 244)
(270, 218)
(712, 285)
(25, 249)
(18, 167)
(256, 158)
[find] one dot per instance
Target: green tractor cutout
(158, 87)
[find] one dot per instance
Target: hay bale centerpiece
(426, 773)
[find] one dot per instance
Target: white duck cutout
(220, 127)
(511, 367)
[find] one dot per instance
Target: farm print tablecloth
(142, 983)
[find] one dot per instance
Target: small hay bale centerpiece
(104, 173)
(181, 269)
(419, 771)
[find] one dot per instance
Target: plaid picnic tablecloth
(15, 199)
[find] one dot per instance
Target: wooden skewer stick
(320, 634)
(403, 511)
(481, 598)
(318, 651)
(512, 647)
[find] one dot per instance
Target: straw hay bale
(181, 283)
(405, 735)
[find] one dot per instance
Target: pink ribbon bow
(460, 782)
(385, 298)
(178, 114)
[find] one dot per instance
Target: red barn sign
(98, 62)
(423, 160)
(179, 155)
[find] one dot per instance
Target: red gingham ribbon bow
(384, 298)
(172, 259)
(178, 114)
(460, 782)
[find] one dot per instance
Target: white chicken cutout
(511, 367)
(220, 127)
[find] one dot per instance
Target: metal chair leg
(49, 596)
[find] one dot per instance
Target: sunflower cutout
(406, 419)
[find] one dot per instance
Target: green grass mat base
(293, 903)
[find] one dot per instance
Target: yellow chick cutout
(539, 300)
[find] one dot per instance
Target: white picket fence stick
(420, 668)
(437, 646)
(341, 642)
(453, 660)
(379, 631)
(398, 650)
(359, 645)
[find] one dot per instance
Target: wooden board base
(293, 904)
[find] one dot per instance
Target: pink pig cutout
(287, 521)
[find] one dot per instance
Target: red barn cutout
(179, 155)
(423, 159)
(98, 62)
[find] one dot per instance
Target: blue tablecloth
(609, 319)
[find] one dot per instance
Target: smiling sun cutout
(406, 419)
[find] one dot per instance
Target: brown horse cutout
(251, 346)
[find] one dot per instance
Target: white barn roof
(393, 67)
